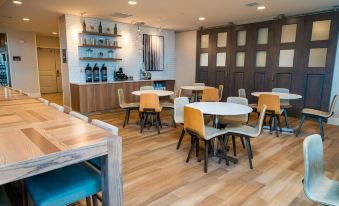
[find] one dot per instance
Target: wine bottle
(83, 26)
(115, 29)
(100, 28)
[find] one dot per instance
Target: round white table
(160, 93)
(281, 95)
(195, 89)
(221, 109)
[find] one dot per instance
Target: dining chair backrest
(313, 161)
(179, 104)
(149, 101)
(283, 102)
(242, 101)
(57, 107)
(271, 101)
(221, 91)
(146, 88)
(121, 96)
(198, 84)
(333, 104)
(79, 116)
(210, 95)
(242, 93)
(44, 101)
(106, 126)
(261, 120)
(194, 121)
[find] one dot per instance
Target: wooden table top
(32, 130)
(10, 94)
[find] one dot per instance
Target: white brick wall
(130, 52)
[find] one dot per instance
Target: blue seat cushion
(96, 162)
(4, 201)
(64, 186)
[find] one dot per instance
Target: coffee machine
(119, 75)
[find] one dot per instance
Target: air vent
(253, 4)
(120, 15)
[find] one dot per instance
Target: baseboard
(333, 120)
(35, 94)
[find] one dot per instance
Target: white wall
(185, 54)
(24, 73)
(131, 53)
(335, 88)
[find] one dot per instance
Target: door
(49, 70)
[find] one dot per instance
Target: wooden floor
(155, 173)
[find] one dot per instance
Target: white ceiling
(170, 14)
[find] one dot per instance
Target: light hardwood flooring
(155, 173)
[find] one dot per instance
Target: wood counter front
(87, 98)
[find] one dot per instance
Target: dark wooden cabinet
(88, 98)
(292, 53)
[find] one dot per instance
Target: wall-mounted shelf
(101, 47)
(99, 34)
(100, 59)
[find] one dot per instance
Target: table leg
(111, 173)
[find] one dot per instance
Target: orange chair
(210, 95)
(150, 105)
(273, 110)
(195, 126)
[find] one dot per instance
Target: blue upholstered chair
(4, 201)
(64, 186)
(96, 162)
(317, 187)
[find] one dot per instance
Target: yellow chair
(195, 126)
(150, 105)
(210, 95)
(273, 110)
(126, 106)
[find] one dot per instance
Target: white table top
(221, 108)
(194, 88)
(281, 95)
(160, 93)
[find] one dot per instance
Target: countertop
(117, 82)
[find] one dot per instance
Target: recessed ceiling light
(132, 2)
(202, 18)
(17, 2)
(55, 33)
(261, 7)
(26, 19)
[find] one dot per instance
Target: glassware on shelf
(92, 41)
(110, 54)
(100, 55)
(89, 53)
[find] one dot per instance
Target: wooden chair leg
(191, 149)
(320, 120)
(181, 137)
(249, 151)
(242, 142)
(207, 145)
(88, 201)
(126, 114)
(234, 146)
(300, 125)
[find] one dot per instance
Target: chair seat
(4, 201)
(63, 186)
(130, 105)
(315, 112)
(326, 192)
(211, 132)
(242, 129)
(165, 105)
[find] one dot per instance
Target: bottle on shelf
(88, 73)
(103, 72)
(96, 73)
(115, 29)
(83, 26)
(100, 28)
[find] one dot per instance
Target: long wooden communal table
(10, 94)
(35, 138)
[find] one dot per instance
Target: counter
(99, 96)
(125, 81)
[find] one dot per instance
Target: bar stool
(149, 105)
